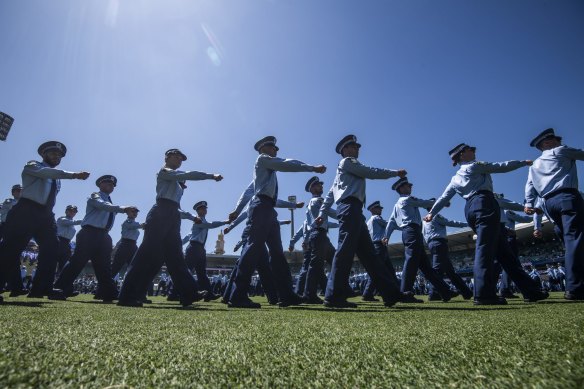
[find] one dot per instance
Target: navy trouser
(266, 279)
(321, 251)
(381, 251)
(27, 220)
(264, 229)
(354, 239)
(416, 258)
(93, 244)
(505, 287)
(64, 253)
(196, 258)
(566, 208)
(483, 216)
(162, 243)
(124, 254)
(443, 266)
(301, 282)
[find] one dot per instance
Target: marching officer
(348, 192)
(436, 238)
(263, 225)
(65, 232)
(94, 242)
(127, 247)
(473, 182)
(406, 217)
(554, 177)
(33, 217)
(376, 226)
(7, 206)
(162, 241)
(195, 254)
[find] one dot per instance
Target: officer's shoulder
(95, 196)
(33, 164)
(348, 160)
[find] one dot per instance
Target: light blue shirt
(436, 229)
(376, 226)
(243, 215)
(473, 177)
(301, 232)
(512, 218)
(131, 229)
(507, 205)
(98, 210)
(406, 212)
(168, 182)
(37, 179)
(66, 227)
(5, 207)
(555, 169)
(199, 231)
(350, 182)
(265, 181)
(313, 209)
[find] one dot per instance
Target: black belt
(65, 239)
(350, 200)
(568, 190)
(443, 240)
(128, 240)
(267, 198)
(193, 242)
(377, 242)
(23, 200)
(88, 227)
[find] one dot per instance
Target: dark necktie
(52, 195)
(110, 219)
(276, 192)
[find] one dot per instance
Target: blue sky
(120, 82)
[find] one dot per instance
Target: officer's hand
(217, 177)
(81, 175)
(300, 205)
(320, 169)
(143, 225)
(290, 248)
(428, 217)
(286, 221)
(226, 231)
(304, 246)
(529, 210)
(385, 241)
(528, 162)
(538, 211)
(537, 234)
(197, 220)
(318, 221)
(232, 216)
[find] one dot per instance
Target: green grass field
(82, 343)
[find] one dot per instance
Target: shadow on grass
(35, 304)
(412, 307)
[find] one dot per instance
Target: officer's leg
(278, 263)
(182, 278)
(437, 264)
(412, 260)
(18, 230)
(64, 254)
(567, 210)
(84, 250)
(349, 231)
(100, 260)
(318, 247)
(266, 277)
(259, 217)
(369, 291)
(374, 265)
(448, 269)
(438, 283)
(46, 238)
(200, 266)
(301, 282)
(510, 263)
(120, 257)
(229, 285)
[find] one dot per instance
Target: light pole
(292, 199)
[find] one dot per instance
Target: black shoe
(533, 298)
(200, 295)
(449, 296)
(19, 292)
(434, 297)
(211, 297)
(245, 304)
(57, 294)
(294, 299)
(130, 303)
(467, 296)
(339, 304)
(224, 301)
(574, 296)
(409, 298)
(146, 301)
(369, 298)
(315, 300)
(509, 295)
(490, 301)
(71, 294)
(1, 299)
(173, 297)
